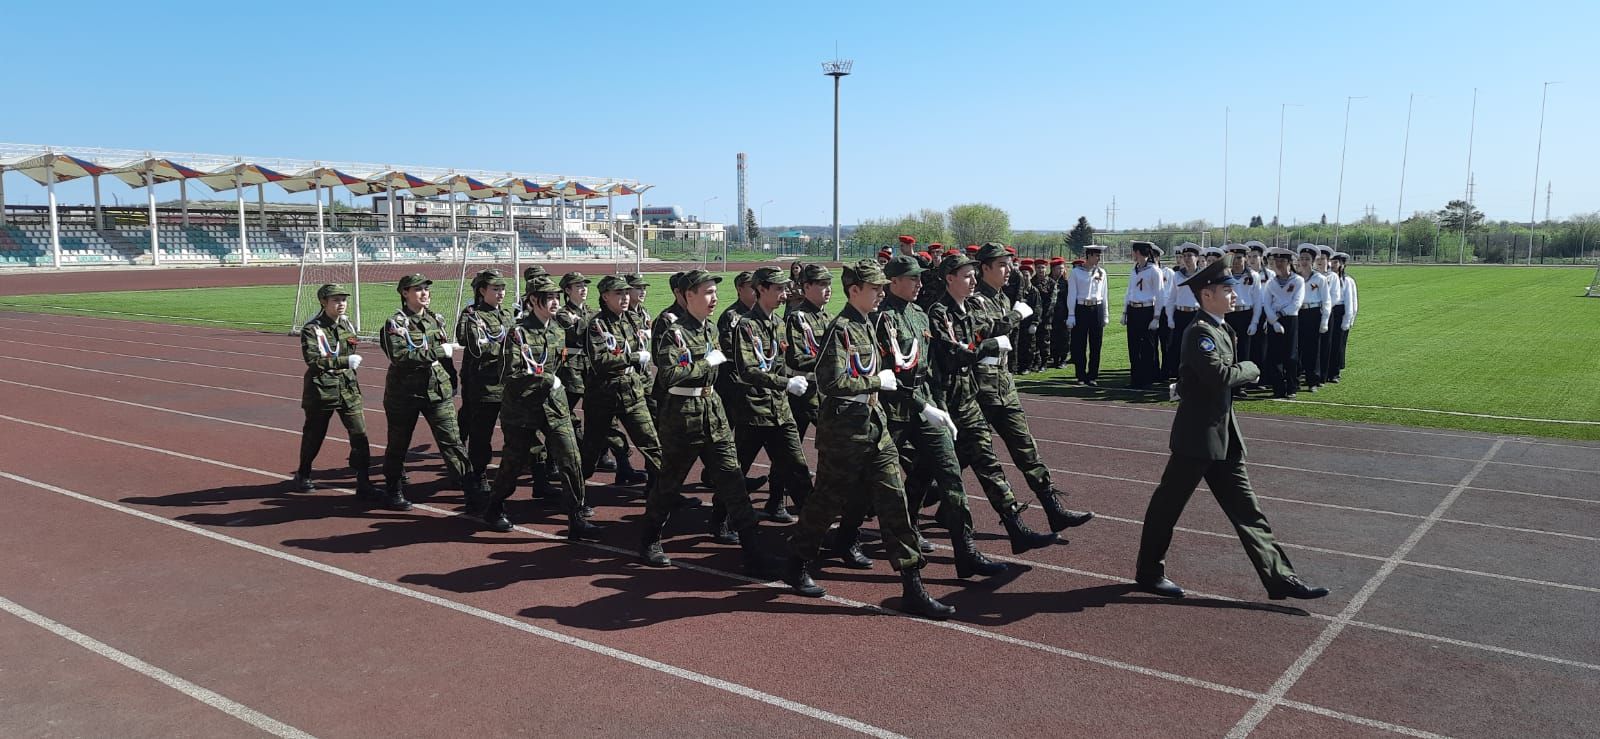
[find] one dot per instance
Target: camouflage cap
(675, 280)
(991, 250)
(410, 281)
(953, 262)
(741, 279)
(695, 278)
(770, 276)
(815, 273)
(612, 282)
(636, 280)
(541, 284)
(864, 272)
(573, 278)
(487, 277)
(533, 270)
(330, 290)
(903, 266)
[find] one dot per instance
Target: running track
(161, 581)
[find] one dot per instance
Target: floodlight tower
(837, 69)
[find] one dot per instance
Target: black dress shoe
(579, 529)
(497, 522)
(397, 502)
(1162, 587)
(303, 483)
(653, 555)
(795, 574)
(1292, 587)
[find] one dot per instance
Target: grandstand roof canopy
(219, 172)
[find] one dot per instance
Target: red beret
(908, 239)
(1057, 260)
(951, 250)
(1027, 263)
(935, 245)
(972, 248)
(924, 255)
(884, 253)
(1077, 262)
(1012, 250)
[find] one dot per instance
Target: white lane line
(129, 313)
(208, 697)
(184, 348)
(555, 636)
(1287, 680)
(1071, 654)
(1439, 412)
(126, 327)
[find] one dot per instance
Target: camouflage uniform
(1043, 320)
(534, 416)
(993, 315)
(761, 381)
(418, 384)
(803, 327)
(480, 331)
(331, 387)
(616, 375)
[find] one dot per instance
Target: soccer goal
(371, 263)
(1593, 291)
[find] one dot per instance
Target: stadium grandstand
(554, 216)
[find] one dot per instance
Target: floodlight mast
(837, 69)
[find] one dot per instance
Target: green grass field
(1430, 343)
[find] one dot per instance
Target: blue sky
(1045, 109)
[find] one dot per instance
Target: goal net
(371, 263)
(1593, 291)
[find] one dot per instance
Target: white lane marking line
(206, 696)
(186, 348)
(126, 327)
(1287, 680)
(1439, 412)
(1071, 654)
(1383, 725)
(129, 313)
(555, 636)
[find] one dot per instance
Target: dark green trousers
(619, 402)
(316, 429)
(975, 443)
(1231, 487)
(693, 430)
(1010, 423)
(928, 457)
(555, 442)
(857, 465)
(441, 418)
(791, 475)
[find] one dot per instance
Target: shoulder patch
(1207, 345)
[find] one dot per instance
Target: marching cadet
(922, 431)
(1180, 306)
(995, 317)
(417, 344)
(856, 456)
(534, 411)
(1343, 317)
(1285, 293)
(764, 383)
(479, 331)
(616, 361)
(733, 400)
(529, 272)
(328, 343)
(1206, 445)
(1315, 313)
(958, 350)
(1086, 294)
(1246, 313)
(1255, 262)
(1140, 306)
(932, 276)
(693, 424)
(1043, 340)
(639, 319)
(803, 327)
(574, 310)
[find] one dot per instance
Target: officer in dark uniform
(1206, 445)
(328, 344)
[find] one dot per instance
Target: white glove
(933, 414)
(1324, 327)
(355, 361)
(715, 357)
(1278, 327)
(1172, 391)
(1347, 325)
(1105, 319)
(1250, 331)
(1004, 342)
(886, 380)
(1124, 319)
(643, 357)
(1033, 330)
(555, 385)
(1072, 322)
(1155, 323)
(449, 350)
(798, 385)
(1022, 309)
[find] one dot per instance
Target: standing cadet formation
(908, 385)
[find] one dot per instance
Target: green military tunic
(760, 380)
(803, 328)
(534, 416)
(617, 392)
(856, 455)
(480, 331)
(417, 383)
(571, 317)
(958, 350)
(732, 401)
(330, 387)
(993, 316)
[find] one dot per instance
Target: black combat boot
(1059, 516)
(302, 482)
(1022, 537)
(579, 529)
(650, 549)
(847, 548)
(755, 483)
(914, 598)
(970, 561)
(395, 500)
(365, 490)
(626, 474)
(720, 533)
(494, 518)
(472, 491)
(797, 575)
(774, 510)
(757, 563)
(607, 461)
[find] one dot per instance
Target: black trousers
(1258, 347)
(1239, 321)
(1143, 363)
(1282, 371)
(1231, 487)
(1060, 343)
(1338, 341)
(1163, 335)
(1312, 341)
(1180, 321)
(1088, 332)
